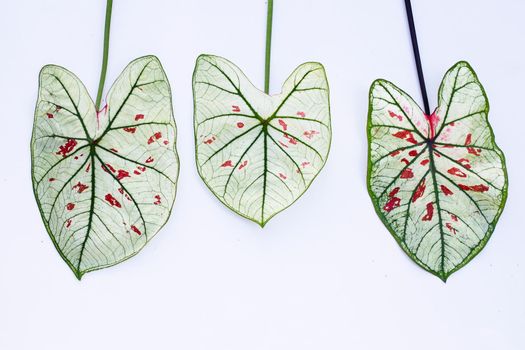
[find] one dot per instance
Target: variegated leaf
(105, 182)
(438, 182)
(259, 153)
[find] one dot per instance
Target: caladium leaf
(438, 182)
(259, 153)
(105, 182)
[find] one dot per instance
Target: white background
(324, 274)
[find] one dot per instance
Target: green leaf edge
(441, 275)
(260, 223)
(79, 274)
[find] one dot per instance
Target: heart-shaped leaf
(259, 153)
(105, 182)
(438, 182)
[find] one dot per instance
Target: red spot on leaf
(454, 217)
(68, 223)
(121, 191)
(210, 140)
(446, 191)
(240, 125)
(406, 161)
(451, 228)
(395, 153)
(243, 164)
(166, 142)
(456, 172)
(139, 117)
(424, 162)
(50, 116)
(394, 115)
(70, 206)
(136, 230)
(236, 109)
(130, 130)
(393, 202)
(430, 212)
(122, 174)
(227, 163)
(405, 135)
(412, 153)
(107, 168)
(471, 150)
(112, 200)
(51, 179)
(142, 168)
(301, 114)
(157, 199)
(283, 124)
(305, 164)
(283, 144)
(419, 191)
(113, 150)
(310, 134)
(80, 187)
(407, 174)
(475, 188)
(155, 136)
(290, 139)
(149, 160)
(88, 167)
(67, 147)
(282, 176)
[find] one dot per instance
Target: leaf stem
(417, 57)
(269, 19)
(105, 52)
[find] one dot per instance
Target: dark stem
(417, 57)
(105, 52)
(269, 18)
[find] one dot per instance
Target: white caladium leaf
(105, 182)
(259, 153)
(438, 182)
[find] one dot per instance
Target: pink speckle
(166, 142)
(301, 114)
(282, 176)
(290, 139)
(310, 134)
(283, 124)
(433, 120)
(305, 164)
(451, 228)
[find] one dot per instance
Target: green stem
(269, 18)
(103, 70)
